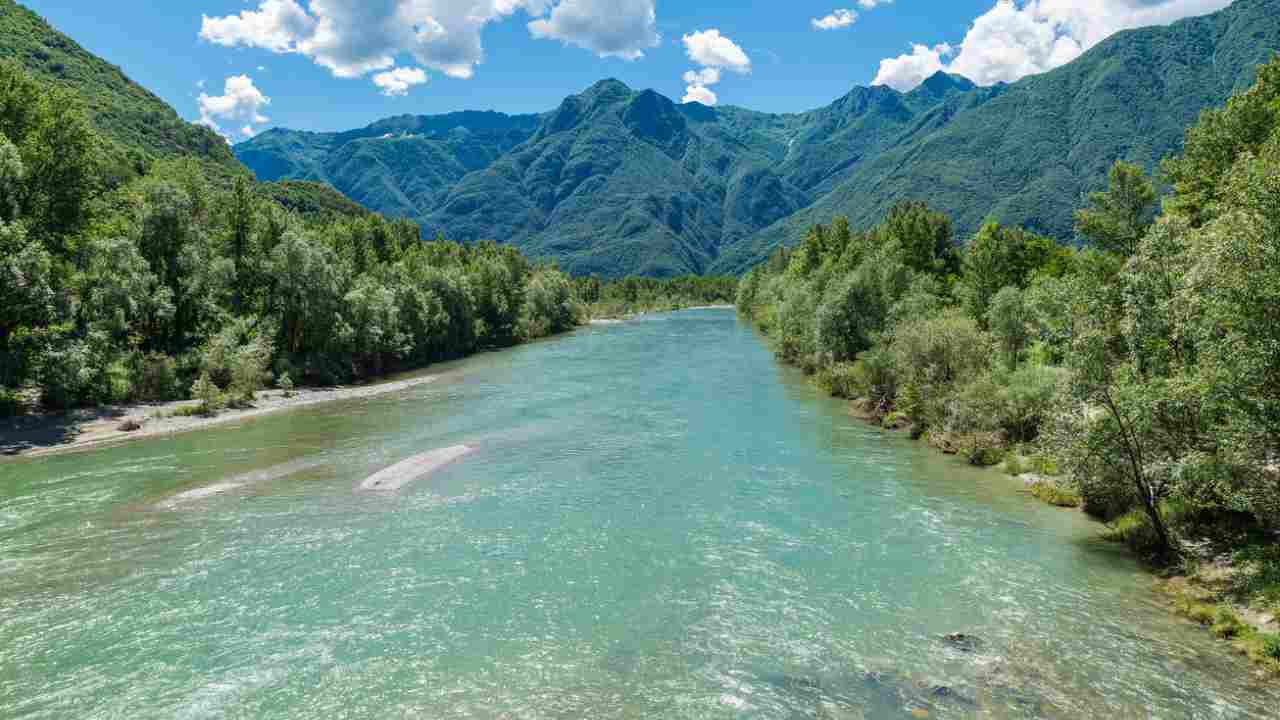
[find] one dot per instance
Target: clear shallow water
(659, 522)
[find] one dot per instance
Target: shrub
(1201, 613)
(155, 377)
(248, 375)
(934, 356)
(243, 341)
(211, 398)
(793, 333)
(285, 383)
(982, 449)
(1016, 465)
(1134, 529)
(1226, 625)
(842, 380)
(1271, 646)
(70, 374)
(550, 305)
(119, 382)
(1055, 494)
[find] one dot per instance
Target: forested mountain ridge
(1027, 153)
(141, 124)
(616, 181)
(397, 165)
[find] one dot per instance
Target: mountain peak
(608, 87)
(942, 83)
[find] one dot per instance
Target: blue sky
(284, 54)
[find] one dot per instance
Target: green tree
(934, 356)
(372, 326)
(1117, 219)
(1000, 257)
(1008, 319)
(1214, 143)
(241, 220)
(309, 284)
(925, 237)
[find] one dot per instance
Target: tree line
(1142, 368)
(631, 295)
(116, 288)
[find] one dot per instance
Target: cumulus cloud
(905, 72)
(617, 28)
(276, 25)
(700, 94)
(1016, 39)
(709, 48)
(397, 81)
(356, 38)
(241, 102)
(841, 18)
(838, 19)
(715, 53)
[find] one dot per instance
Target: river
(658, 521)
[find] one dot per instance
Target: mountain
(139, 126)
(1027, 153)
(616, 181)
(396, 166)
(120, 109)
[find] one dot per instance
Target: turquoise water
(658, 522)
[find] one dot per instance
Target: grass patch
(1270, 645)
(1055, 494)
(1209, 603)
(1227, 626)
(1134, 529)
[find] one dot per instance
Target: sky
(325, 65)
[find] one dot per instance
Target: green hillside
(401, 166)
(1027, 153)
(618, 182)
(119, 108)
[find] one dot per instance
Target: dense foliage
(1144, 367)
(170, 285)
(140, 127)
(629, 296)
(620, 182)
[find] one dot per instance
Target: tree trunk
(1157, 523)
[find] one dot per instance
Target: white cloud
(715, 53)
(356, 38)
(907, 71)
(617, 28)
(705, 76)
(709, 48)
(241, 102)
(841, 18)
(838, 19)
(698, 86)
(1016, 39)
(276, 25)
(397, 81)
(700, 94)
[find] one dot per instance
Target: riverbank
(44, 434)
(606, 314)
(1233, 595)
(80, 430)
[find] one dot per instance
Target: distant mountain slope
(1029, 152)
(618, 182)
(400, 166)
(121, 109)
